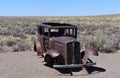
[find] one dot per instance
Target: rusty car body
(57, 43)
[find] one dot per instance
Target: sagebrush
(101, 32)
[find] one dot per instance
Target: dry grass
(101, 32)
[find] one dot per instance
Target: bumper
(73, 65)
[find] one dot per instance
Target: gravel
(29, 65)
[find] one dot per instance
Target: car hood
(64, 39)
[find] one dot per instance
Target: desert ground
(29, 65)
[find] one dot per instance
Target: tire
(35, 47)
(89, 60)
(49, 61)
(60, 60)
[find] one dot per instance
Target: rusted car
(57, 43)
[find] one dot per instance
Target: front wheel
(89, 60)
(49, 61)
(60, 60)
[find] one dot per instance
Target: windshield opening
(63, 32)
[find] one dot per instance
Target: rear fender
(39, 48)
(86, 53)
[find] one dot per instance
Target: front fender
(91, 51)
(86, 53)
(53, 53)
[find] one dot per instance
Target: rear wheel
(35, 47)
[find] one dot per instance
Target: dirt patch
(29, 65)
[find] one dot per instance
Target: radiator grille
(73, 53)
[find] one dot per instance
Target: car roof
(57, 25)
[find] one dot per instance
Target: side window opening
(46, 30)
(40, 30)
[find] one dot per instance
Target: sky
(58, 7)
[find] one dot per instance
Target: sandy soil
(28, 65)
